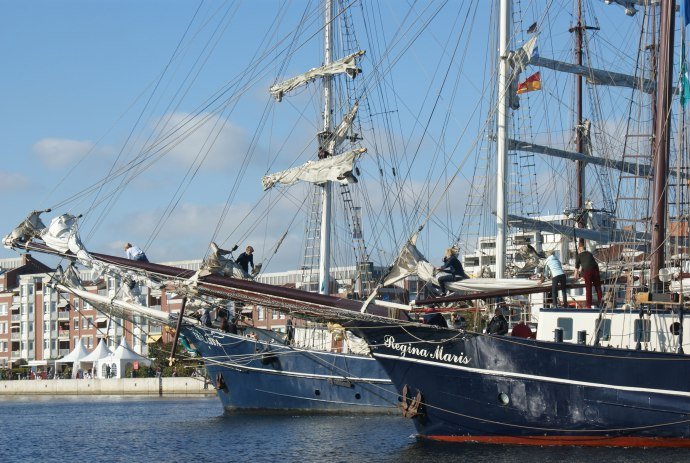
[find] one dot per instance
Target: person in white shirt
(553, 267)
(135, 253)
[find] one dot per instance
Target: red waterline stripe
(586, 441)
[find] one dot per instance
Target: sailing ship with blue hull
(267, 375)
(495, 389)
(465, 386)
(263, 372)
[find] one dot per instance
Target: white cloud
(10, 181)
(59, 152)
(222, 143)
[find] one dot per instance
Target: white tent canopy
(100, 352)
(118, 362)
(75, 357)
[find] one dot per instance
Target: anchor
(220, 383)
(410, 408)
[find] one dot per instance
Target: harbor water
(195, 429)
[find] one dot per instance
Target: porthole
(357, 396)
(317, 392)
(675, 328)
(503, 398)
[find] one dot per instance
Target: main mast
(662, 139)
(326, 188)
(502, 136)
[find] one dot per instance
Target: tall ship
(605, 389)
(311, 368)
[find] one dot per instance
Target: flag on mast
(531, 84)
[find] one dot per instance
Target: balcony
(63, 314)
(16, 354)
(63, 334)
(16, 336)
(63, 352)
(16, 317)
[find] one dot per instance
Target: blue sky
(77, 78)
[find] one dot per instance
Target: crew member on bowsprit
(246, 259)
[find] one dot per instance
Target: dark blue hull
(477, 387)
(264, 375)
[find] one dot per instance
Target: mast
(502, 136)
(662, 130)
(326, 188)
(579, 165)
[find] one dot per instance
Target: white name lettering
(438, 354)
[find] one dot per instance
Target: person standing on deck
(135, 253)
(498, 324)
(590, 272)
(553, 267)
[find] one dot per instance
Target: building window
(76, 323)
(274, 314)
(31, 346)
(3, 309)
(31, 327)
(88, 342)
(31, 307)
(281, 316)
(259, 313)
(3, 327)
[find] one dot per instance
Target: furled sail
(340, 133)
(412, 262)
(345, 65)
(335, 169)
(62, 235)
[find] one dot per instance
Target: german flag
(531, 84)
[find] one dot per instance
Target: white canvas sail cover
(345, 65)
(29, 228)
(219, 265)
(341, 132)
(335, 169)
(62, 235)
(413, 262)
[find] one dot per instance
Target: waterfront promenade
(125, 386)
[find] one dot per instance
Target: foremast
(504, 89)
(326, 188)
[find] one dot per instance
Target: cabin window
(603, 329)
(566, 324)
(643, 330)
